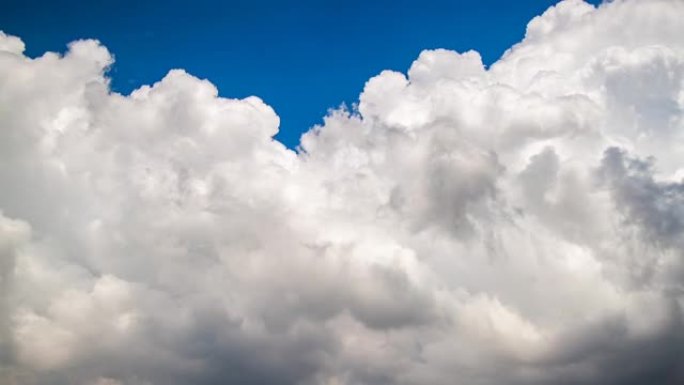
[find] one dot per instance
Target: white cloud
(522, 224)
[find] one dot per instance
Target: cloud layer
(518, 224)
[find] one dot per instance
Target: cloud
(518, 224)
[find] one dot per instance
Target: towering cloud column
(516, 224)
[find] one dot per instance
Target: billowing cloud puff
(517, 224)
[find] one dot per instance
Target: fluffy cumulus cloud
(517, 224)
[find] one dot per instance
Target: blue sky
(301, 57)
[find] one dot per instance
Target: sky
(471, 221)
(322, 51)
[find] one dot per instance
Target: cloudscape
(518, 223)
